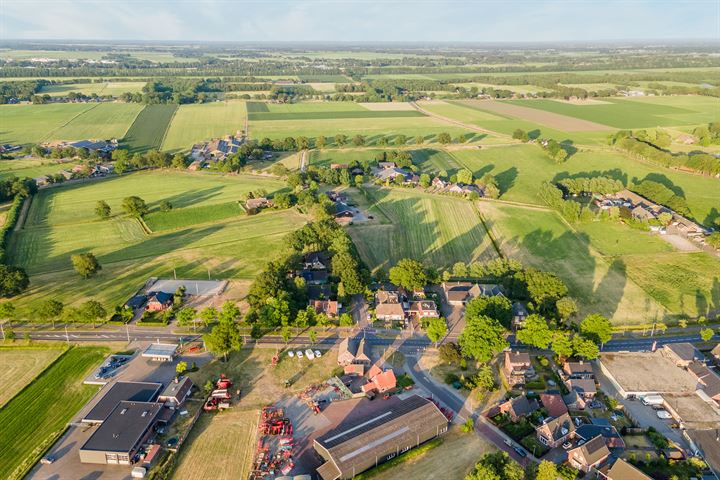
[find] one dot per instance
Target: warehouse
(119, 392)
(356, 446)
(121, 435)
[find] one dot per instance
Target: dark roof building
(176, 392)
(612, 437)
(356, 446)
(118, 439)
(589, 455)
(119, 392)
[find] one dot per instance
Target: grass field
(521, 169)
(148, 130)
(432, 161)
(435, 229)
(21, 366)
(40, 412)
(321, 111)
(23, 124)
(103, 121)
(185, 217)
(61, 223)
(323, 158)
(541, 239)
(220, 447)
(198, 122)
(614, 238)
(640, 113)
(30, 168)
(98, 88)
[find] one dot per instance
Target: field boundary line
(70, 121)
(66, 348)
(167, 127)
(487, 230)
(144, 226)
(20, 224)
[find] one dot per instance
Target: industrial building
(119, 392)
(356, 446)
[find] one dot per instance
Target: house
(339, 166)
(709, 381)
(380, 381)
(439, 183)
(683, 353)
(554, 404)
(577, 370)
(389, 312)
(315, 261)
(319, 292)
(386, 165)
(520, 313)
(574, 400)
(389, 174)
(590, 455)
(254, 204)
(158, 301)
(328, 307)
(555, 431)
(367, 441)
(176, 392)
(517, 367)
(352, 352)
(217, 149)
(585, 387)
(314, 277)
(136, 301)
(103, 147)
(423, 309)
(715, 352)
(622, 470)
(459, 293)
(612, 437)
(41, 181)
(706, 443)
(122, 434)
(519, 407)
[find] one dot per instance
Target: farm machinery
(220, 397)
(274, 450)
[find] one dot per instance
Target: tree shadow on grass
(506, 179)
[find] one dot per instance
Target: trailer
(652, 400)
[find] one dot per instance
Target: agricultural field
(440, 230)
(33, 419)
(433, 162)
(195, 123)
(23, 124)
(323, 158)
(521, 169)
(644, 112)
(258, 111)
(21, 366)
(186, 217)
(220, 447)
(148, 130)
(61, 222)
(540, 238)
(30, 168)
(103, 121)
(98, 88)
(458, 112)
(613, 238)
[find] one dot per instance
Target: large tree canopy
(482, 338)
(409, 273)
(535, 332)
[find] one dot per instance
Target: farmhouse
(352, 352)
(590, 455)
(327, 307)
(118, 439)
(120, 392)
(459, 293)
(315, 261)
(356, 446)
(158, 301)
(176, 392)
(380, 381)
(255, 204)
(217, 149)
(517, 367)
(555, 431)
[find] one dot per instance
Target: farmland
(97, 88)
(21, 366)
(439, 230)
(321, 111)
(148, 130)
(185, 217)
(323, 158)
(30, 168)
(103, 121)
(199, 122)
(40, 412)
(62, 222)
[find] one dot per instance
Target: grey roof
(522, 406)
(177, 390)
(160, 350)
(685, 351)
(122, 391)
(124, 427)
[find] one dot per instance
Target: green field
(186, 217)
(98, 88)
(30, 168)
(435, 229)
(103, 121)
(258, 111)
(61, 222)
(432, 161)
(459, 112)
(541, 239)
(22, 124)
(323, 158)
(637, 113)
(148, 130)
(521, 169)
(40, 412)
(199, 122)
(20, 366)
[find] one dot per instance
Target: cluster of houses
(102, 147)
(640, 208)
(319, 291)
(388, 172)
(354, 358)
(344, 211)
(8, 148)
(215, 150)
(78, 171)
(395, 305)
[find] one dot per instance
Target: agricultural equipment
(223, 383)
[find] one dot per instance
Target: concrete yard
(647, 372)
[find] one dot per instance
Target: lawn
(185, 217)
(613, 238)
(195, 123)
(435, 229)
(539, 238)
(22, 124)
(631, 114)
(21, 366)
(35, 417)
(103, 121)
(148, 130)
(521, 169)
(30, 168)
(324, 157)
(98, 88)
(433, 161)
(219, 447)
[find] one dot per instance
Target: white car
(291, 354)
(318, 354)
(664, 414)
(299, 354)
(309, 354)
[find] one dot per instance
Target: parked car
(309, 354)
(291, 354)
(299, 354)
(520, 452)
(508, 443)
(664, 414)
(318, 354)
(47, 460)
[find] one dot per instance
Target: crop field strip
(256, 116)
(41, 411)
(194, 123)
(189, 216)
(148, 130)
(98, 88)
(20, 366)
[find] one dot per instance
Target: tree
(313, 336)
(49, 310)
(562, 345)
(436, 329)
(135, 206)
(186, 316)
(450, 353)
(468, 426)
(340, 139)
(230, 311)
(408, 273)
(13, 280)
(7, 311)
(358, 140)
(485, 378)
(85, 264)
(424, 180)
(498, 307)
(419, 140)
(547, 471)
(359, 180)
(482, 338)
(320, 142)
(178, 161)
(91, 311)
(444, 138)
(585, 348)
(521, 135)
(346, 320)
(707, 334)
(181, 368)
(224, 337)
(665, 218)
(208, 315)
(465, 176)
(102, 209)
(566, 308)
(496, 466)
(535, 332)
(596, 328)
(400, 140)
(165, 206)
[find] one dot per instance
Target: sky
(360, 21)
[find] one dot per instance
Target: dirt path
(459, 124)
(302, 160)
(23, 214)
